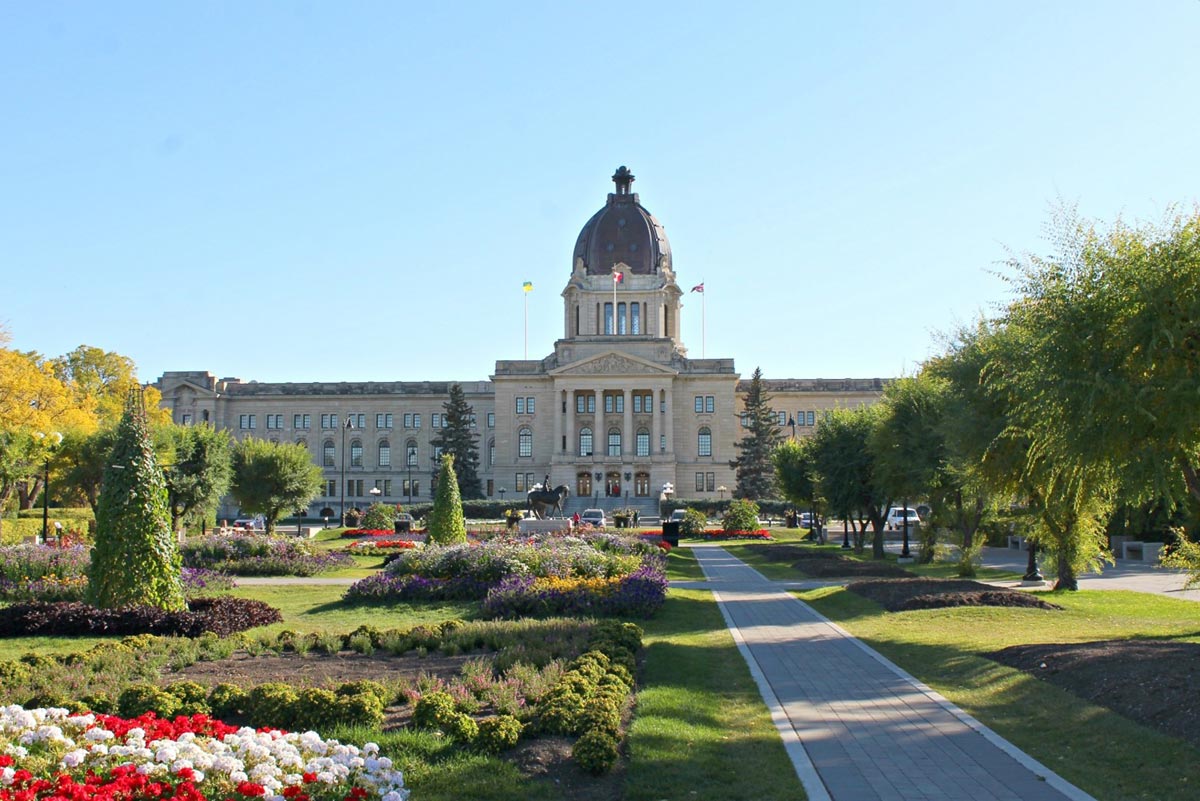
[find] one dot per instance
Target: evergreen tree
(754, 468)
(135, 561)
(459, 440)
(446, 523)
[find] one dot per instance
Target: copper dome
(622, 231)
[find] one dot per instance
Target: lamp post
(349, 422)
(55, 439)
(721, 490)
(502, 491)
(1032, 574)
(408, 461)
(792, 422)
(667, 491)
(904, 554)
(375, 493)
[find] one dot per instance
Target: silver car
(593, 517)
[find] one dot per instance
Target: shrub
(461, 727)
(138, 699)
(446, 523)
(227, 700)
(135, 561)
(367, 686)
(601, 713)
(223, 616)
(742, 515)
(498, 733)
(272, 705)
(379, 516)
(193, 698)
(433, 709)
(596, 751)
(693, 523)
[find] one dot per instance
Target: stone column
(558, 421)
(627, 437)
(668, 420)
(599, 438)
(655, 422)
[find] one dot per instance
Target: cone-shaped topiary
(135, 561)
(446, 523)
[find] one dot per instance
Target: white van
(898, 514)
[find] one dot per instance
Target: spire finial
(622, 178)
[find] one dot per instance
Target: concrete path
(857, 727)
(1125, 575)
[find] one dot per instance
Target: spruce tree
(459, 440)
(135, 561)
(446, 523)
(754, 468)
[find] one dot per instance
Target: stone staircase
(647, 507)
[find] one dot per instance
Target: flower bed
(353, 533)
(383, 545)
(761, 534)
(218, 615)
(260, 555)
(591, 574)
(49, 753)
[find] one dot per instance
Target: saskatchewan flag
(527, 286)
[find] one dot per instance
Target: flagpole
(614, 317)
(703, 322)
(526, 294)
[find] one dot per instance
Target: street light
(55, 440)
(502, 491)
(792, 422)
(375, 493)
(721, 490)
(349, 423)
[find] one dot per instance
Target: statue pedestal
(548, 526)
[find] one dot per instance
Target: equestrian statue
(539, 500)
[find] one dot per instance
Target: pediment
(612, 363)
(187, 388)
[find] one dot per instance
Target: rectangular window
(327, 421)
(416, 486)
(383, 421)
(608, 318)
(783, 418)
(246, 421)
(529, 480)
(405, 487)
(492, 453)
(437, 455)
(520, 406)
(471, 421)
(591, 399)
(580, 404)
(635, 310)
(529, 406)
(275, 421)
(699, 403)
(416, 420)
(710, 404)
(331, 488)
(410, 455)
(648, 403)
(408, 420)
(637, 404)
(662, 443)
(614, 443)
(745, 420)
(811, 418)
(643, 442)
(699, 482)
(187, 419)
(491, 419)
(385, 455)
(621, 403)
(711, 480)
(327, 454)
(360, 420)
(302, 421)
(356, 454)
(608, 404)
(384, 486)
(520, 482)
(621, 318)
(435, 420)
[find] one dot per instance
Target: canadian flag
(699, 288)
(618, 277)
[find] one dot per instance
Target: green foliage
(379, 516)
(446, 524)
(200, 473)
(227, 700)
(458, 438)
(272, 704)
(138, 699)
(796, 471)
(433, 709)
(753, 467)
(693, 523)
(272, 479)
(742, 515)
(1185, 556)
(498, 733)
(134, 561)
(596, 751)
(193, 697)
(846, 469)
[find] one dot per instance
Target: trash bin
(671, 532)
(403, 526)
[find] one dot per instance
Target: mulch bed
(901, 595)
(827, 564)
(1152, 682)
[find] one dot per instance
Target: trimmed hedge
(222, 616)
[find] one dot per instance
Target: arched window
(410, 453)
(643, 442)
(302, 443)
(525, 442)
(585, 442)
(614, 442)
(327, 453)
(204, 415)
(704, 442)
(385, 453)
(356, 453)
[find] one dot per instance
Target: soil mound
(900, 595)
(828, 564)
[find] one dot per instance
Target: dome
(622, 231)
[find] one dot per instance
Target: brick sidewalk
(856, 726)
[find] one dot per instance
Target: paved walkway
(856, 727)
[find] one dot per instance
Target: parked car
(898, 514)
(593, 517)
(805, 520)
(678, 515)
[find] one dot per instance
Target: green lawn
(1107, 755)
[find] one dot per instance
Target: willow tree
(135, 561)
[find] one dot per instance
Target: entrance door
(612, 485)
(583, 485)
(641, 485)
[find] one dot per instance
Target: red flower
(250, 788)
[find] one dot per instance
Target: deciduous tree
(271, 478)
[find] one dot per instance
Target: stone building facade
(616, 412)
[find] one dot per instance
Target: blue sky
(350, 191)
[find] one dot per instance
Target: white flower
(73, 759)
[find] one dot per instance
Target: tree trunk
(27, 494)
(1067, 579)
(1190, 476)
